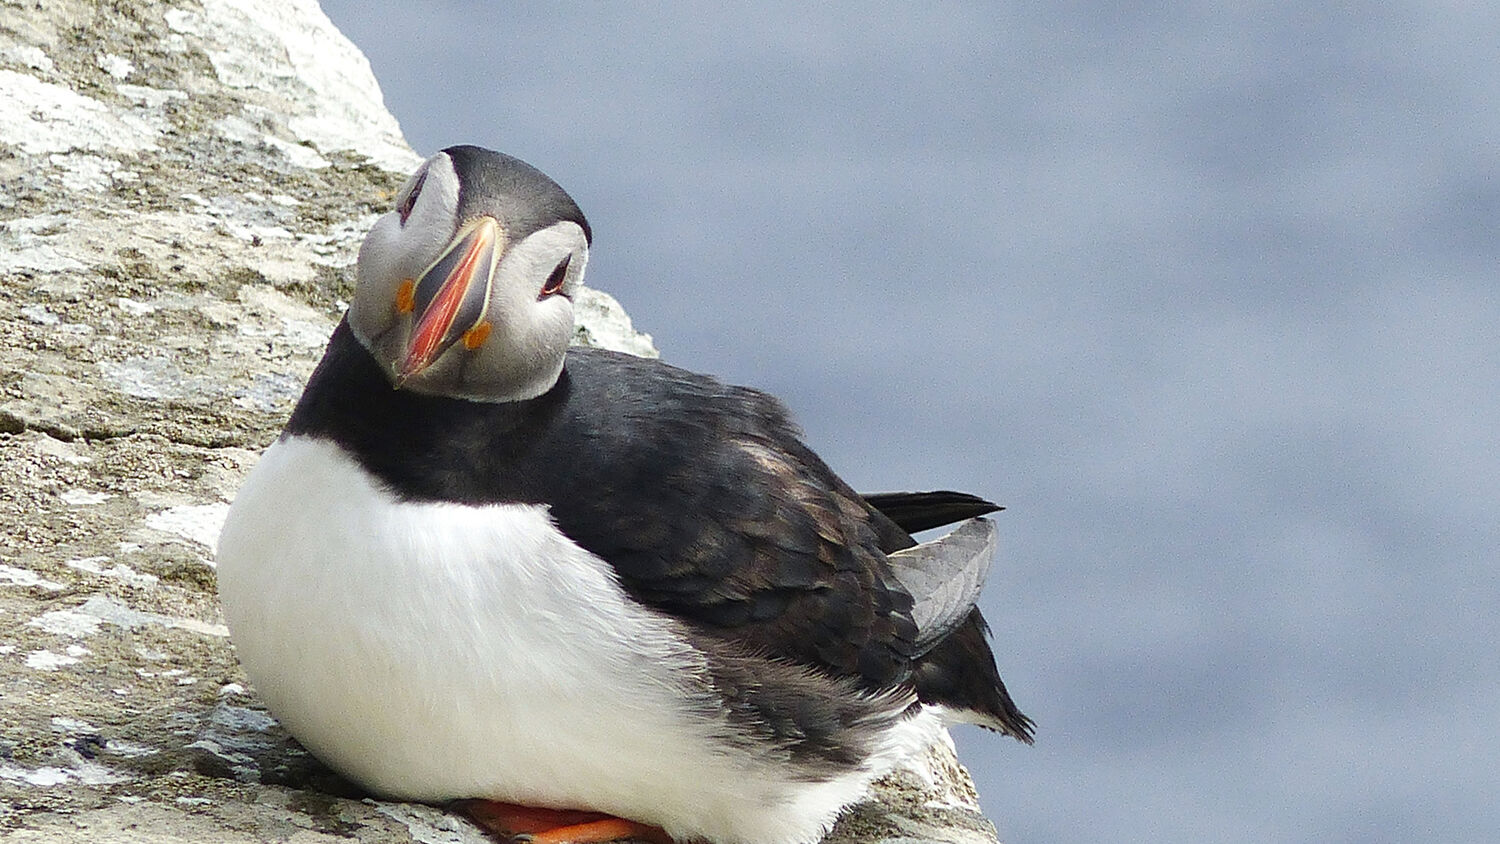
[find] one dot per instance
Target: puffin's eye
(555, 281)
(409, 201)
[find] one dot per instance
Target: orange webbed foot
(557, 826)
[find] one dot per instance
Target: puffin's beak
(452, 297)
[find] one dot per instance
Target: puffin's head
(466, 288)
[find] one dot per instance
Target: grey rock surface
(183, 186)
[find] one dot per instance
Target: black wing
(710, 508)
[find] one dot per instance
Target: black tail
(919, 511)
(959, 673)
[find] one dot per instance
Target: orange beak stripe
(406, 296)
(475, 337)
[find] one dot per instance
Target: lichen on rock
(183, 187)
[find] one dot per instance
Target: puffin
(582, 595)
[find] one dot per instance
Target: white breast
(436, 651)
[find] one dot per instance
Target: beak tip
(403, 371)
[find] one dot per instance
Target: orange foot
(557, 826)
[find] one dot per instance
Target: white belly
(434, 651)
